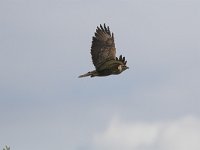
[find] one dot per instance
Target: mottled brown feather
(103, 46)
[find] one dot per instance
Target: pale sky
(45, 46)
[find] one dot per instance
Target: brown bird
(103, 53)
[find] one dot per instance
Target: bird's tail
(91, 74)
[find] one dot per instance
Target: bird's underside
(103, 53)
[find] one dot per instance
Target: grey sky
(45, 46)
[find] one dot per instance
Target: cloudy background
(44, 47)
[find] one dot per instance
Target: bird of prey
(103, 53)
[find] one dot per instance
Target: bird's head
(122, 68)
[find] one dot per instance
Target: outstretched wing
(103, 46)
(122, 59)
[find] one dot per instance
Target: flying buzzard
(103, 53)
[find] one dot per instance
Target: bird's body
(103, 53)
